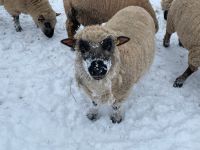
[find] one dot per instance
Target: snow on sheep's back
(41, 107)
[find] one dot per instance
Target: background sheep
(165, 7)
(40, 10)
(184, 18)
(106, 67)
(88, 12)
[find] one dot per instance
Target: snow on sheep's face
(97, 57)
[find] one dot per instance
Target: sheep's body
(166, 4)
(35, 8)
(1, 2)
(88, 12)
(184, 18)
(132, 58)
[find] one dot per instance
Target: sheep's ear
(58, 14)
(122, 40)
(69, 42)
(41, 18)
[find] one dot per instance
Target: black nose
(97, 69)
(49, 32)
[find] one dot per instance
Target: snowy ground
(41, 107)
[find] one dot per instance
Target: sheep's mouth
(98, 77)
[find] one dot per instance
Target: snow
(41, 107)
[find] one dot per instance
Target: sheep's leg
(181, 79)
(166, 40)
(72, 26)
(180, 43)
(17, 24)
(93, 113)
(165, 14)
(116, 115)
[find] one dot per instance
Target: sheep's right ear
(122, 40)
(69, 42)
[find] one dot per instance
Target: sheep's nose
(97, 69)
(49, 32)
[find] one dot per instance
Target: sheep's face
(47, 22)
(98, 58)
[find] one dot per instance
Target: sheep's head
(97, 50)
(46, 22)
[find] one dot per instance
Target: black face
(48, 30)
(98, 56)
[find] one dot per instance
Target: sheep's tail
(1, 2)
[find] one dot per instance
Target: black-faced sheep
(40, 10)
(110, 59)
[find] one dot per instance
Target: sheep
(88, 12)
(165, 7)
(184, 18)
(111, 58)
(40, 10)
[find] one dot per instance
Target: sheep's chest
(99, 91)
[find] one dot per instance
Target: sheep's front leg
(17, 24)
(181, 79)
(93, 113)
(116, 115)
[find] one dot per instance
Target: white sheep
(184, 18)
(40, 10)
(110, 59)
(88, 12)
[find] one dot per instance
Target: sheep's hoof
(19, 29)
(116, 118)
(92, 117)
(179, 82)
(93, 114)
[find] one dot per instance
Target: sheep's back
(91, 12)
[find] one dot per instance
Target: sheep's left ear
(69, 42)
(58, 14)
(122, 40)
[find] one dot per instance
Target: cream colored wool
(166, 4)
(90, 12)
(33, 7)
(131, 59)
(1, 2)
(184, 18)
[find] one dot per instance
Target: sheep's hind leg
(116, 115)
(181, 79)
(17, 24)
(72, 26)
(180, 43)
(165, 14)
(93, 113)
(166, 40)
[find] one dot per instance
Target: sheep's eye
(107, 44)
(84, 46)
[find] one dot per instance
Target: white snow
(41, 107)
